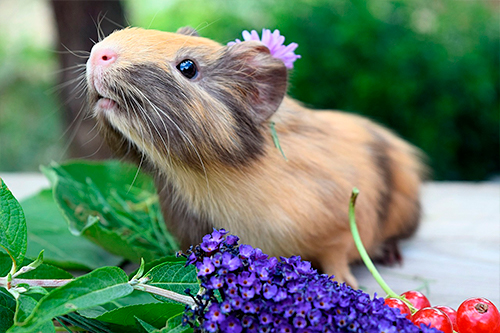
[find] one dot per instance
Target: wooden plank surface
(456, 251)
(454, 255)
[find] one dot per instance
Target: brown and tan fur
(208, 144)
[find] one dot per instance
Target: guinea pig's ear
(188, 31)
(261, 79)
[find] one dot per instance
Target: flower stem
(53, 283)
(361, 249)
(165, 293)
(276, 141)
(49, 283)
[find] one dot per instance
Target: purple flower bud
(206, 267)
(247, 293)
(246, 279)
(236, 302)
(210, 326)
(232, 240)
(231, 325)
(246, 251)
(216, 282)
(269, 290)
(248, 307)
(191, 259)
(215, 314)
(217, 259)
(299, 322)
(225, 307)
(265, 318)
(230, 262)
(209, 246)
(259, 255)
(247, 321)
(231, 279)
(285, 328)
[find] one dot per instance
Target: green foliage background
(427, 69)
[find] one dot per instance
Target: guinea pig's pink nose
(103, 57)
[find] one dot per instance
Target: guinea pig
(196, 115)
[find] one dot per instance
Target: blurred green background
(429, 70)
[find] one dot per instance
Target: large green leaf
(174, 276)
(26, 306)
(48, 231)
(136, 297)
(7, 310)
(98, 287)
(113, 205)
(6, 318)
(13, 234)
(155, 314)
(175, 325)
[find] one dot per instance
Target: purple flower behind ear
(275, 43)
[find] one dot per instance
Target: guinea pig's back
(339, 151)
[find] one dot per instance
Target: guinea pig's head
(180, 98)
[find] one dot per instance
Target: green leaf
(98, 287)
(6, 299)
(26, 306)
(113, 205)
(48, 230)
(89, 325)
(155, 314)
(174, 325)
(145, 326)
(44, 271)
(13, 234)
(7, 310)
(136, 297)
(174, 276)
(6, 318)
(140, 271)
(150, 264)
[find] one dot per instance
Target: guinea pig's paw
(390, 253)
(347, 277)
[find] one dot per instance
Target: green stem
(276, 141)
(361, 249)
(165, 293)
(53, 283)
(366, 258)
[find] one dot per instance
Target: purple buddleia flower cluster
(244, 290)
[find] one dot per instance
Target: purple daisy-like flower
(275, 43)
(251, 292)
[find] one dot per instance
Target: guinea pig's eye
(188, 68)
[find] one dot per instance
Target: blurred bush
(427, 69)
(30, 124)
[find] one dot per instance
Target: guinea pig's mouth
(106, 103)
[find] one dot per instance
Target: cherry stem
(364, 255)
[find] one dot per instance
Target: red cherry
(398, 304)
(478, 315)
(418, 299)
(433, 317)
(451, 313)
